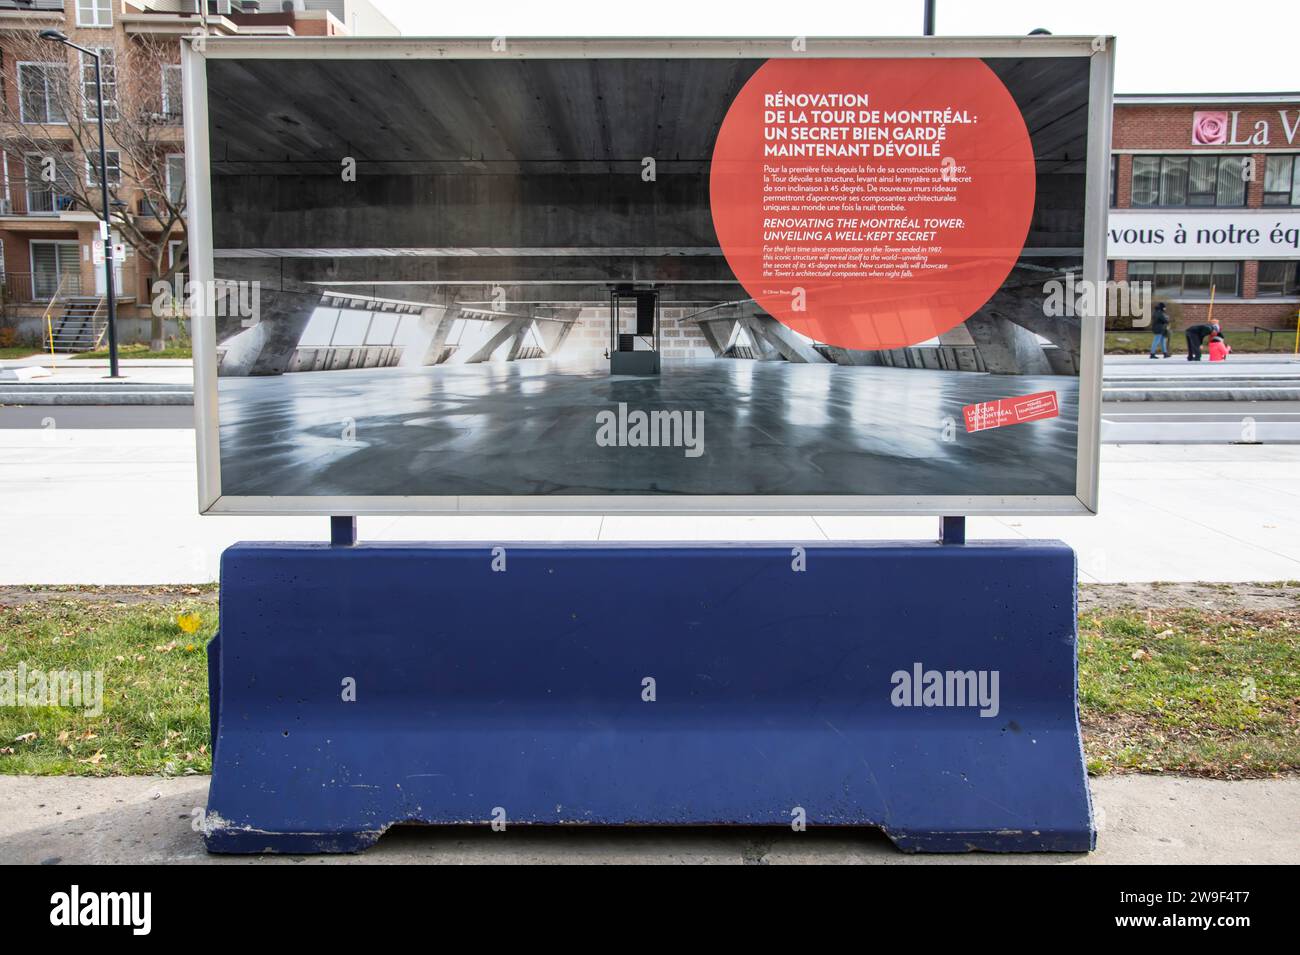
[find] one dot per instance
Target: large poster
(698, 277)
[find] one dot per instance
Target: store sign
(1225, 127)
(1263, 234)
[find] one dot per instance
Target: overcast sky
(1165, 46)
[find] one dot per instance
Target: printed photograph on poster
(647, 276)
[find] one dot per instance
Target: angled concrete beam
(520, 337)
(764, 348)
(554, 332)
(1007, 348)
(267, 346)
(505, 328)
(439, 321)
(784, 340)
(1021, 300)
(717, 332)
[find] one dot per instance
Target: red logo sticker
(872, 203)
(1005, 411)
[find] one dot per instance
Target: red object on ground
(1005, 411)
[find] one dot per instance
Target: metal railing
(29, 195)
(26, 288)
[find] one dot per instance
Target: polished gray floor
(528, 428)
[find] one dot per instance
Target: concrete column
(267, 345)
(438, 322)
(1005, 347)
(520, 337)
(764, 351)
(504, 329)
(1021, 301)
(783, 340)
(717, 332)
(852, 356)
(555, 332)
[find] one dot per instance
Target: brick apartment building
(1205, 195)
(50, 251)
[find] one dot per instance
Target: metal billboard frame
(197, 49)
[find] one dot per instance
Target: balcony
(42, 202)
(31, 196)
(40, 288)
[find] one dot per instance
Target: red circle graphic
(872, 204)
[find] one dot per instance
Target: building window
(39, 85)
(1279, 278)
(1188, 279)
(43, 180)
(114, 160)
(56, 268)
(1114, 180)
(1282, 181)
(176, 179)
(94, 13)
(171, 92)
(108, 75)
(1189, 180)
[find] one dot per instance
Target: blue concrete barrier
(928, 690)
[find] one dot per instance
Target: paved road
(1141, 819)
(1166, 422)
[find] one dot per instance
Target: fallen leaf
(189, 622)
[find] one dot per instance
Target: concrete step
(1204, 393)
(91, 393)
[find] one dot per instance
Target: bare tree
(52, 113)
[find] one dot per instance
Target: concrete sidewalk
(84, 381)
(119, 507)
(1141, 819)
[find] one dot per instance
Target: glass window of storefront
(1282, 180)
(1189, 181)
(1188, 279)
(1279, 278)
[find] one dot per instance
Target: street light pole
(110, 292)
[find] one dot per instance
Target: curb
(143, 393)
(1227, 394)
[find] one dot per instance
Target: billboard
(647, 276)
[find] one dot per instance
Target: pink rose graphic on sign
(1209, 128)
